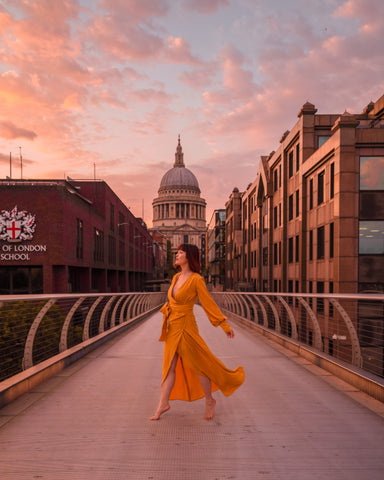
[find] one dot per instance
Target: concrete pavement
(290, 420)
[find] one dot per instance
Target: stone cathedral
(179, 211)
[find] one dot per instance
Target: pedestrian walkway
(289, 421)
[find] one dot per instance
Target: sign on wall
(17, 227)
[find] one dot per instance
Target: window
(290, 250)
(275, 180)
(279, 214)
(297, 203)
(112, 217)
(265, 222)
(320, 243)
(290, 207)
(275, 254)
(275, 217)
(371, 237)
(79, 238)
(332, 181)
(297, 248)
(311, 194)
(321, 139)
(297, 157)
(290, 164)
(121, 224)
(265, 256)
(21, 280)
(320, 188)
(331, 240)
(279, 253)
(310, 290)
(311, 245)
(279, 175)
(98, 245)
(320, 301)
(121, 253)
(371, 173)
(111, 250)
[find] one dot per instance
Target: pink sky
(113, 83)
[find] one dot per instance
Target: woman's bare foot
(209, 408)
(159, 412)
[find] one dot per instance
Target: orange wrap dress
(181, 335)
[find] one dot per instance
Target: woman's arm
(211, 309)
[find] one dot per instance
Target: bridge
(305, 411)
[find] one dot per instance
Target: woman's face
(181, 258)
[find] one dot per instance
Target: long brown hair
(193, 256)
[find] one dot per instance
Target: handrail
(34, 328)
(348, 327)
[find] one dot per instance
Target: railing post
(356, 351)
(89, 316)
(104, 314)
(275, 313)
(64, 331)
(318, 343)
(28, 349)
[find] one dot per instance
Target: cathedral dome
(179, 176)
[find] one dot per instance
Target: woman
(190, 370)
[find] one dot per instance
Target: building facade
(313, 219)
(179, 212)
(215, 249)
(233, 241)
(58, 236)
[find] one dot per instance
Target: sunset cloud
(9, 130)
(205, 6)
(114, 82)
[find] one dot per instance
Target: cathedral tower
(179, 211)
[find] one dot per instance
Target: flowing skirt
(194, 359)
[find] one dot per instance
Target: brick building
(215, 248)
(233, 241)
(313, 219)
(60, 236)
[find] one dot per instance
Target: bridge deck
(290, 420)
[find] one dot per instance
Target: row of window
(320, 250)
(321, 187)
(371, 242)
(98, 245)
(293, 167)
(179, 210)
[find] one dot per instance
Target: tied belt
(166, 310)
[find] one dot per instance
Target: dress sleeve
(210, 307)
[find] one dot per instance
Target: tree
(170, 268)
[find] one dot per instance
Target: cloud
(178, 51)
(123, 39)
(238, 86)
(367, 11)
(300, 63)
(372, 174)
(136, 10)
(205, 7)
(199, 78)
(9, 131)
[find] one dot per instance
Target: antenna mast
(21, 165)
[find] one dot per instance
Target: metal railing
(34, 328)
(346, 327)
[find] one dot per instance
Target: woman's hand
(230, 334)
